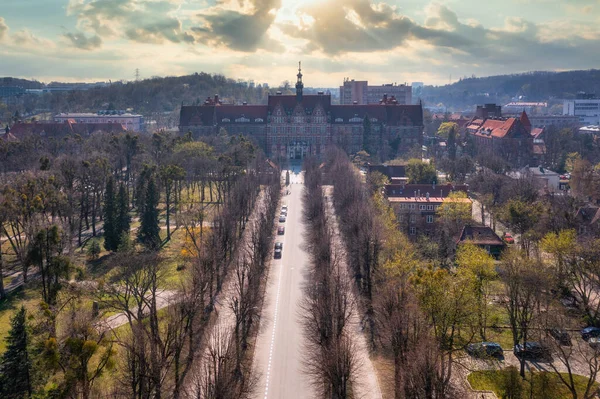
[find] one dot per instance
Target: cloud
(143, 21)
(83, 42)
(240, 30)
(3, 28)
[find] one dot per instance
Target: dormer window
(259, 120)
(242, 120)
(356, 119)
(225, 120)
(339, 120)
(374, 120)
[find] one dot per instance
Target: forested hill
(534, 86)
(155, 95)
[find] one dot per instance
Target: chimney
(384, 98)
(415, 194)
(419, 192)
(216, 98)
(427, 196)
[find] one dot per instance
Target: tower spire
(299, 84)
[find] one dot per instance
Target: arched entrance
(297, 149)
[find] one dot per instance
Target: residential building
(393, 172)
(416, 204)
(359, 92)
(592, 130)
(587, 220)
(129, 121)
(483, 237)
(586, 109)
(295, 126)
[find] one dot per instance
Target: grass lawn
(29, 298)
(545, 384)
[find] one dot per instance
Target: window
(413, 218)
(225, 120)
(487, 248)
(258, 120)
(430, 207)
(429, 218)
(413, 231)
(422, 207)
(242, 119)
(413, 206)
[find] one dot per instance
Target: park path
(366, 385)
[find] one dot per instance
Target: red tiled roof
(537, 132)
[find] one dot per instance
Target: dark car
(594, 342)
(485, 349)
(281, 219)
(278, 250)
(281, 230)
(532, 350)
(561, 336)
(590, 332)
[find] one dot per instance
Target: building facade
(511, 139)
(557, 121)
(295, 126)
(359, 92)
(129, 121)
(587, 110)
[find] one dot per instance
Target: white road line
(274, 327)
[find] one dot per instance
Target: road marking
(274, 328)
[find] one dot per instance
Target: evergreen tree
(123, 221)
(149, 232)
(15, 366)
(111, 234)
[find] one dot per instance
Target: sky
(262, 40)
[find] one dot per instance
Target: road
(278, 352)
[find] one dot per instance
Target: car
(277, 254)
(281, 230)
(278, 245)
(594, 342)
(284, 208)
(561, 336)
(532, 350)
(485, 350)
(508, 238)
(281, 219)
(590, 332)
(283, 213)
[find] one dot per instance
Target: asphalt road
(278, 353)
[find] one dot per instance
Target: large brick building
(512, 139)
(294, 126)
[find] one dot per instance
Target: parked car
(561, 336)
(485, 349)
(590, 332)
(281, 230)
(508, 238)
(532, 350)
(594, 342)
(278, 250)
(281, 219)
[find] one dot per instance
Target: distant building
(517, 107)
(558, 121)
(19, 131)
(586, 109)
(295, 126)
(488, 111)
(392, 172)
(129, 121)
(359, 92)
(483, 237)
(511, 139)
(592, 130)
(10, 91)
